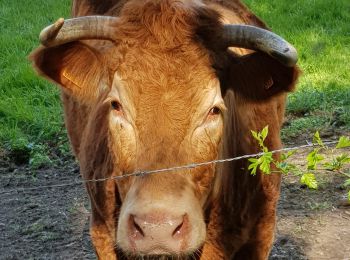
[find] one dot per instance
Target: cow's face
(162, 103)
(166, 110)
(159, 98)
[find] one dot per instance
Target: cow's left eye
(214, 111)
(213, 114)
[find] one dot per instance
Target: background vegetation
(30, 111)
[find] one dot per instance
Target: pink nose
(158, 233)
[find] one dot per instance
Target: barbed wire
(164, 170)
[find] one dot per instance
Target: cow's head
(152, 83)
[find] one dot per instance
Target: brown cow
(154, 84)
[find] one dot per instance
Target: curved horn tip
(292, 55)
(59, 23)
(289, 59)
(50, 32)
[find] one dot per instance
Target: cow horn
(254, 38)
(81, 28)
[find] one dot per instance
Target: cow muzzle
(167, 225)
(159, 232)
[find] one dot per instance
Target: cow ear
(257, 76)
(76, 67)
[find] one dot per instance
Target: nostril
(158, 227)
(181, 230)
(177, 230)
(138, 228)
(135, 229)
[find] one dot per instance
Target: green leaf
(309, 180)
(285, 156)
(255, 135)
(349, 195)
(263, 162)
(264, 132)
(265, 167)
(332, 166)
(317, 139)
(266, 161)
(260, 137)
(283, 166)
(343, 142)
(313, 158)
(346, 183)
(338, 162)
(287, 167)
(344, 158)
(253, 166)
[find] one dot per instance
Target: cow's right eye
(116, 106)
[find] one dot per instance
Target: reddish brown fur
(241, 208)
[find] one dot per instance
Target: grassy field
(30, 111)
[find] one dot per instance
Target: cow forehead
(157, 55)
(168, 94)
(166, 72)
(164, 82)
(163, 76)
(157, 49)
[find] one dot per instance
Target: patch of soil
(315, 224)
(41, 222)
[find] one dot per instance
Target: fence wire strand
(164, 170)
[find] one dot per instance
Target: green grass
(30, 110)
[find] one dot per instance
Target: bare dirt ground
(52, 222)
